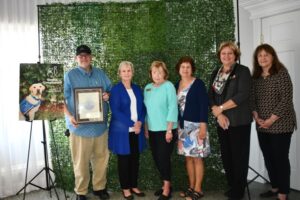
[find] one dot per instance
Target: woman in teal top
(161, 123)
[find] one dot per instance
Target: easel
(257, 175)
(253, 179)
(49, 181)
(239, 61)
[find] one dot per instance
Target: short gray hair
(123, 63)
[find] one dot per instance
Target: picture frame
(88, 105)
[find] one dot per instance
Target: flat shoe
(139, 194)
(268, 194)
(130, 197)
(102, 194)
(163, 197)
(158, 192)
(81, 197)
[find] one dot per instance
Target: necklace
(265, 75)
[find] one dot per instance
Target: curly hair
(185, 59)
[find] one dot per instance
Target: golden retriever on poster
(31, 103)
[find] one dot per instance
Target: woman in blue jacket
(126, 137)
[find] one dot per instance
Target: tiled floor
(255, 189)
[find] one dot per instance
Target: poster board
(41, 91)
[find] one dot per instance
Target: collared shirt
(79, 78)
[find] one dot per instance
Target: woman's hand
(146, 132)
(169, 136)
(255, 115)
(266, 124)
(216, 110)
(201, 135)
(180, 145)
(223, 121)
(137, 127)
(257, 119)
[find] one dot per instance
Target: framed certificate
(88, 105)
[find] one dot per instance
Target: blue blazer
(118, 139)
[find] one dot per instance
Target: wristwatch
(169, 131)
(221, 107)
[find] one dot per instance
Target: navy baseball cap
(83, 49)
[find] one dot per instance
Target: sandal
(197, 195)
(187, 193)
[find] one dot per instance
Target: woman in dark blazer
(126, 137)
(229, 93)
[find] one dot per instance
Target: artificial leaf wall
(139, 32)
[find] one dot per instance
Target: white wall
(260, 15)
(246, 38)
(247, 48)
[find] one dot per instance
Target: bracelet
(169, 131)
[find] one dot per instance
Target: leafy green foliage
(140, 32)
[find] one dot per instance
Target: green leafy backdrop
(139, 32)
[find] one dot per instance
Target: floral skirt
(188, 142)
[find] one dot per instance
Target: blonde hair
(125, 63)
(158, 64)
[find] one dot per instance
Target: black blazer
(237, 88)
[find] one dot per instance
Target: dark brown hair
(186, 59)
(232, 46)
(276, 64)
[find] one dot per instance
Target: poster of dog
(41, 92)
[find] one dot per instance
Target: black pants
(235, 145)
(275, 149)
(161, 152)
(128, 165)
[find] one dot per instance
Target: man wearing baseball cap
(88, 141)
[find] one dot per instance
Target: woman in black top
(274, 114)
(229, 101)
